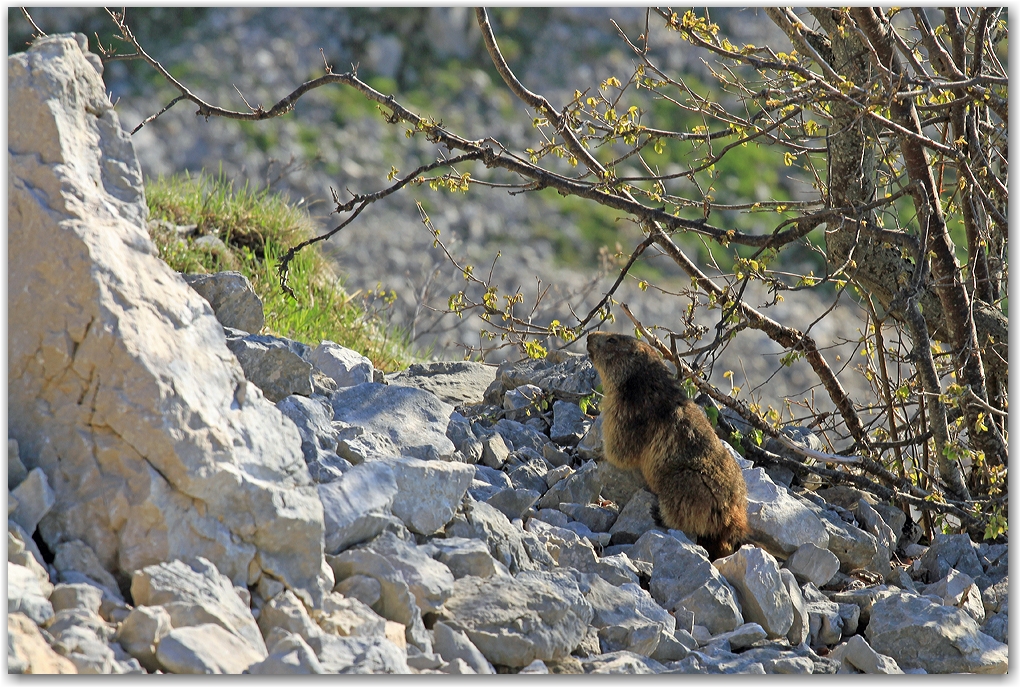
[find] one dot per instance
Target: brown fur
(648, 424)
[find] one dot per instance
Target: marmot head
(617, 356)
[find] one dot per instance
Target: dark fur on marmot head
(649, 425)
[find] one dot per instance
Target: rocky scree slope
(189, 496)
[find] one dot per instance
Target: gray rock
(918, 633)
(274, 364)
(618, 485)
(428, 492)
(517, 436)
(958, 589)
(555, 456)
(595, 518)
(754, 575)
(465, 557)
(858, 654)
(361, 587)
(780, 522)
(513, 502)
(511, 546)
(811, 563)
(195, 594)
(590, 446)
(996, 597)
(313, 418)
(523, 402)
(81, 636)
(76, 596)
(864, 599)
(487, 481)
(622, 663)
(142, 631)
(569, 425)
(682, 576)
(743, 637)
(291, 655)
(553, 517)
(670, 648)
(34, 498)
(232, 298)
(429, 580)
(359, 655)
(494, 451)
(286, 612)
(205, 649)
(78, 556)
(513, 621)
(896, 519)
(349, 617)
(536, 667)
(947, 552)
(627, 617)
(354, 506)
(413, 420)
(635, 519)
(358, 445)
(792, 665)
(567, 376)
(182, 426)
(996, 626)
(16, 470)
(527, 471)
(581, 487)
(456, 382)
(872, 522)
(396, 602)
(824, 617)
(28, 593)
(463, 437)
(452, 644)
(800, 630)
(854, 547)
(22, 552)
(342, 365)
(556, 475)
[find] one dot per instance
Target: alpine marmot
(648, 424)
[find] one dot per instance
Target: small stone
(16, 470)
(522, 402)
(291, 655)
(582, 487)
(859, 654)
(569, 425)
(232, 298)
(343, 365)
(361, 587)
(452, 644)
(494, 451)
(458, 382)
(142, 631)
(811, 563)
(555, 456)
(513, 503)
(76, 596)
(754, 574)
(595, 518)
(34, 498)
(205, 649)
(635, 519)
(274, 364)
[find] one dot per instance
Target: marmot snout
(649, 425)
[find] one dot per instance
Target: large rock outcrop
(121, 387)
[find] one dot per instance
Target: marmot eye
(611, 340)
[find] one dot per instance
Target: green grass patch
(258, 227)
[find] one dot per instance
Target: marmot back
(649, 425)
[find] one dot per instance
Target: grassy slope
(257, 228)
